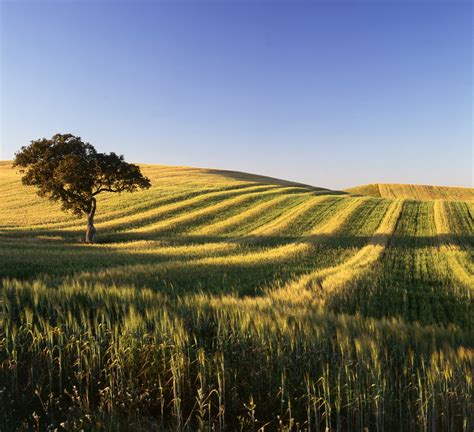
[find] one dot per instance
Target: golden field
(219, 300)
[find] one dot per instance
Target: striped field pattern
(220, 300)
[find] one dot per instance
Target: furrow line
(281, 253)
(159, 207)
(226, 225)
(160, 213)
(334, 278)
(278, 225)
(333, 225)
(328, 225)
(196, 215)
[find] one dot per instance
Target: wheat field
(219, 300)
(418, 192)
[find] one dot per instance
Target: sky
(333, 94)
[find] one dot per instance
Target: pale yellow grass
(21, 207)
(412, 191)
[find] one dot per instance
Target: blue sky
(332, 94)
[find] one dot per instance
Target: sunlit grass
(225, 301)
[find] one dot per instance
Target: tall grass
(88, 356)
(225, 301)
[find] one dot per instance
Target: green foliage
(66, 169)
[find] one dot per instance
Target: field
(418, 192)
(219, 300)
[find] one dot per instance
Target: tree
(66, 169)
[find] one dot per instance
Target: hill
(417, 192)
(232, 301)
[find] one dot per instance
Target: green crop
(223, 301)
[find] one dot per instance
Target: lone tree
(66, 169)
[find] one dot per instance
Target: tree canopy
(66, 169)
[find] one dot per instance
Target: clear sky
(333, 94)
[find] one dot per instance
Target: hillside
(236, 301)
(169, 184)
(417, 192)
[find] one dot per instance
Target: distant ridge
(411, 191)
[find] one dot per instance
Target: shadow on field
(160, 268)
(48, 256)
(168, 238)
(54, 254)
(388, 290)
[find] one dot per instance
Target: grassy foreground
(223, 301)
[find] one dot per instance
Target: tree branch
(104, 190)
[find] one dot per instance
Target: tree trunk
(90, 232)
